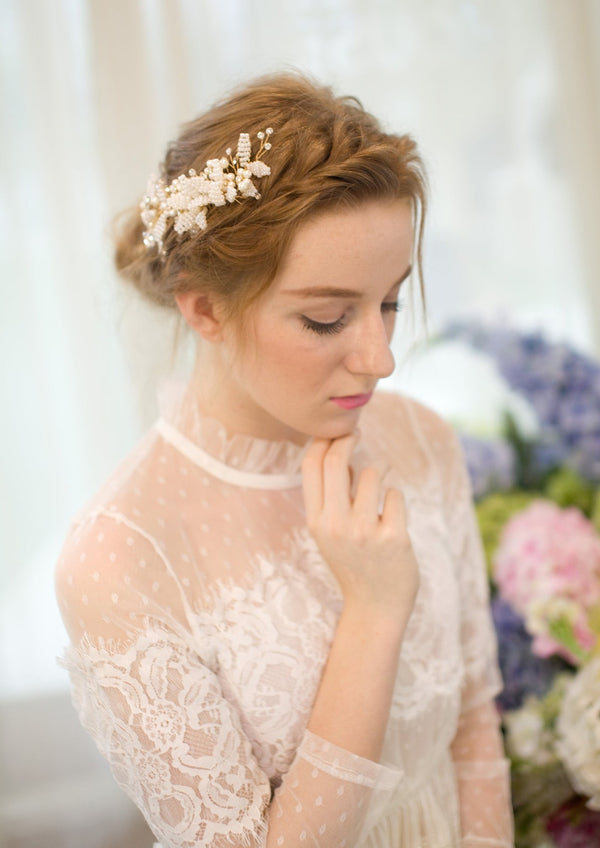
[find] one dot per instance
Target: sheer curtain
(504, 99)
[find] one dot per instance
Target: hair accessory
(186, 199)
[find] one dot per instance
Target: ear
(202, 315)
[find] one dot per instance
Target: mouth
(352, 401)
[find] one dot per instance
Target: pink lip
(352, 401)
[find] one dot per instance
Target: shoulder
(104, 562)
(136, 474)
(129, 510)
(105, 536)
(423, 447)
(401, 415)
(415, 440)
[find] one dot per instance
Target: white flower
(186, 199)
(245, 186)
(164, 726)
(244, 149)
(542, 612)
(200, 220)
(578, 727)
(527, 737)
(258, 168)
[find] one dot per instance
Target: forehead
(349, 248)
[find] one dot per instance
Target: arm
(177, 748)
(371, 557)
(482, 773)
(482, 770)
(158, 714)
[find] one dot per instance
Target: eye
(392, 306)
(324, 329)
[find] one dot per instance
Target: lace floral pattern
(201, 616)
(266, 614)
(158, 718)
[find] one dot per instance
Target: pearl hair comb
(186, 199)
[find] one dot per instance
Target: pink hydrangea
(548, 564)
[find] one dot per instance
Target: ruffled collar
(207, 442)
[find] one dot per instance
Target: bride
(277, 603)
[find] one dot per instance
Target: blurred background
(504, 100)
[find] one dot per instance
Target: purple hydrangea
(562, 386)
(523, 672)
(491, 464)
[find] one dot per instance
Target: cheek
(302, 364)
(295, 349)
(315, 360)
(295, 355)
(276, 362)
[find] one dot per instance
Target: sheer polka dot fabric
(200, 615)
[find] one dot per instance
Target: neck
(214, 393)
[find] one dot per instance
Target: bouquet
(538, 504)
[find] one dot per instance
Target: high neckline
(239, 452)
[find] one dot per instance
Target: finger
(336, 471)
(368, 491)
(312, 476)
(394, 509)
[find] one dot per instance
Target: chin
(337, 429)
(325, 427)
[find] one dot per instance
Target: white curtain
(503, 98)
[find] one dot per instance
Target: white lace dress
(201, 614)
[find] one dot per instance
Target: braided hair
(327, 153)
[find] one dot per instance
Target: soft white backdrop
(504, 99)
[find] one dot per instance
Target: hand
(369, 553)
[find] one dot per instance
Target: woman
(279, 624)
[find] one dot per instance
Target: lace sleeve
(175, 744)
(482, 770)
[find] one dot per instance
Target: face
(318, 339)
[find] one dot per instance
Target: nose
(370, 352)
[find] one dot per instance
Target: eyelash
(328, 329)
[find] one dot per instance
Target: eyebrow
(336, 291)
